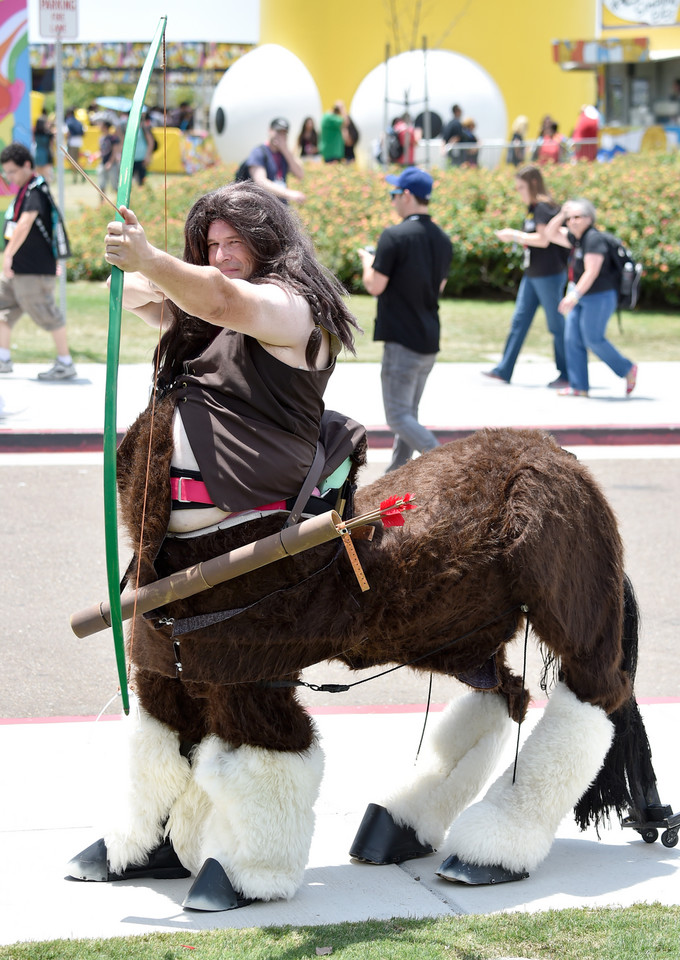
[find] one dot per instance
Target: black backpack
(243, 173)
(393, 147)
(628, 271)
(56, 237)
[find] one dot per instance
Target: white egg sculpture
(264, 83)
(445, 78)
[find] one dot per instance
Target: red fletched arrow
(391, 510)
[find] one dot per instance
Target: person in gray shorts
(29, 267)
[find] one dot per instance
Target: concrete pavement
(58, 773)
(58, 787)
(457, 400)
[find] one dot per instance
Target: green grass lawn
(640, 932)
(472, 331)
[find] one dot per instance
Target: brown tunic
(252, 420)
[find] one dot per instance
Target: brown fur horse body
(505, 518)
(225, 765)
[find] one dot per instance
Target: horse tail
(626, 781)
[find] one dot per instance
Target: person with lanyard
(270, 162)
(29, 267)
(591, 297)
(407, 275)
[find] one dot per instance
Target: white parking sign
(58, 18)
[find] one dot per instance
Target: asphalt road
(52, 564)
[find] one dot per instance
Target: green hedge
(636, 196)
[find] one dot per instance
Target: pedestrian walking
(29, 265)
(543, 280)
(407, 275)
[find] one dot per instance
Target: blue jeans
(584, 331)
(403, 376)
(546, 291)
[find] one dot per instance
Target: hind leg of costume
(514, 825)
(462, 755)
(259, 828)
(157, 775)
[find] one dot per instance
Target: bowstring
(154, 390)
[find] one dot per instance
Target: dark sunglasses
(396, 193)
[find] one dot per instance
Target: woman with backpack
(591, 298)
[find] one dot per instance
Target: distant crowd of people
(334, 142)
(111, 125)
(557, 239)
(550, 145)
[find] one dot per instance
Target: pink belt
(186, 490)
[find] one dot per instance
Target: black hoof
(162, 864)
(474, 874)
(212, 890)
(91, 863)
(380, 840)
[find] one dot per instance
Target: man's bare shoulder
(268, 292)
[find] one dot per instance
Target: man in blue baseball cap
(407, 275)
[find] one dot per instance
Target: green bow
(112, 359)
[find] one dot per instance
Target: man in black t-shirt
(407, 275)
(29, 267)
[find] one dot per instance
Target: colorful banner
(648, 13)
(15, 77)
(97, 59)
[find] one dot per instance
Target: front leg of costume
(157, 775)
(463, 753)
(261, 819)
(514, 825)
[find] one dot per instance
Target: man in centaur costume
(253, 325)
(510, 531)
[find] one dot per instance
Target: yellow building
(515, 42)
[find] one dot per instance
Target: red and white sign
(58, 18)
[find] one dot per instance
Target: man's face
(399, 199)
(276, 138)
(227, 250)
(17, 176)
